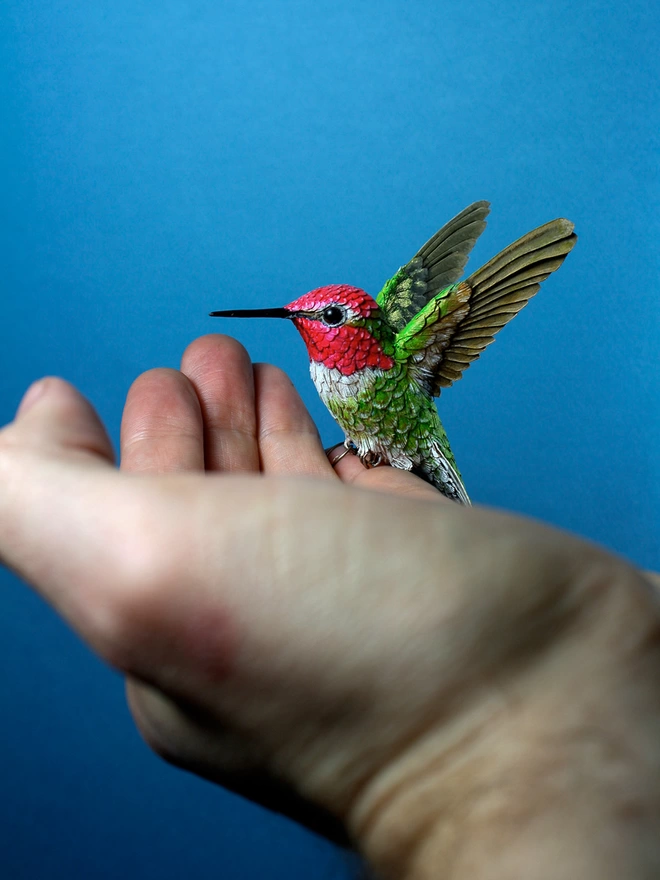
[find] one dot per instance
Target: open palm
(381, 665)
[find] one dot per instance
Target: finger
(221, 372)
(289, 442)
(383, 478)
(162, 429)
(53, 415)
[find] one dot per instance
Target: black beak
(253, 313)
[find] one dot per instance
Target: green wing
(453, 329)
(436, 265)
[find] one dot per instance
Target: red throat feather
(347, 348)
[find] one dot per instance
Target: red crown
(358, 301)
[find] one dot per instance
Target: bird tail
(437, 469)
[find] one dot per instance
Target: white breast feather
(331, 383)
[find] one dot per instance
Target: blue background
(161, 160)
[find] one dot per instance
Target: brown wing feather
(498, 291)
(453, 329)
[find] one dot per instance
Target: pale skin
(460, 692)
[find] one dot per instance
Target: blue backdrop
(161, 160)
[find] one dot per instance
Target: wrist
(549, 773)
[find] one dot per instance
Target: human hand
(463, 690)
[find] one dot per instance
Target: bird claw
(371, 459)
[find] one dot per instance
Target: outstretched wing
(436, 265)
(458, 323)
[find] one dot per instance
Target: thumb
(54, 416)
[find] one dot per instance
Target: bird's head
(342, 327)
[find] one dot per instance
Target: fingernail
(30, 397)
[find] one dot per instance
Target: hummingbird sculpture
(378, 363)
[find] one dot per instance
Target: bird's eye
(333, 316)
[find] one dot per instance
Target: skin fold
(457, 692)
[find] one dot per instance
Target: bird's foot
(371, 459)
